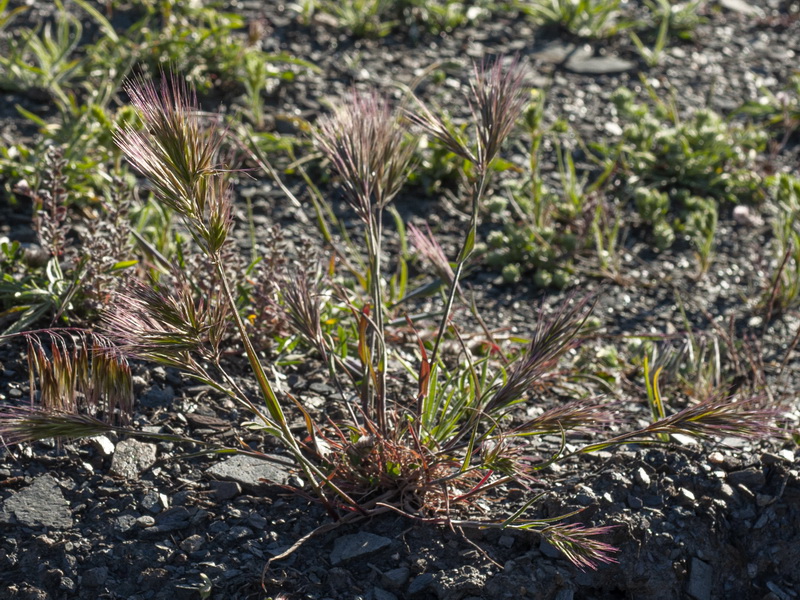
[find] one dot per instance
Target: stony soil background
(121, 519)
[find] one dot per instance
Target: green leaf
(124, 264)
(101, 21)
(30, 116)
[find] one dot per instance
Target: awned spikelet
(178, 153)
(368, 146)
(84, 387)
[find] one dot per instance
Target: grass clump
(783, 290)
(427, 451)
(583, 18)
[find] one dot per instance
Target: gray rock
(145, 521)
(420, 585)
(726, 490)
(95, 577)
(257, 521)
(701, 579)
(783, 457)
(158, 396)
(751, 478)
(686, 497)
(357, 545)
(171, 520)
(635, 502)
(548, 549)
(584, 62)
(249, 472)
(41, 504)
(124, 523)
(103, 445)
(506, 541)
(151, 502)
(193, 543)
(564, 594)
(642, 477)
(653, 500)
(225, 490)
(67, 584)
(132, 457)
(218, 527)
(237, 534)
(380, 594)
(778, 591)
(396, 578)
(555, 52)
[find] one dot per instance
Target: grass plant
(779, 110)
(584, 18)
(782, 291)
(668, 19)
(427, 453)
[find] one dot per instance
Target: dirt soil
(112, 518)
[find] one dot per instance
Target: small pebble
(506, 541)
(686, 497)
(145, 521)
(641, 477)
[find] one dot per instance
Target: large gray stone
(41, 504)
(357, 545)
(752, 478)
(253, 474)
(701, 580)
(584, 61)
(132, 457)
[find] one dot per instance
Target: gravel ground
(123, 519)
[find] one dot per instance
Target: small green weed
(584, 18)
(668, 19)
(679, 170)
(378, 18)
(780, 110)
(65, 278)
(783, 290)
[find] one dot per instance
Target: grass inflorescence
(427, 454)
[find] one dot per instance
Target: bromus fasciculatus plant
(428, 453)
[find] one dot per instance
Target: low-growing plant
(667, 19)
(608, 236)
(780, 110)
(424, 452)
(700, 153)
(377, 18)
(584, 18)
(782, 291)
(43, 58)
(74, 270)
(680, 169)
(701, 229)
